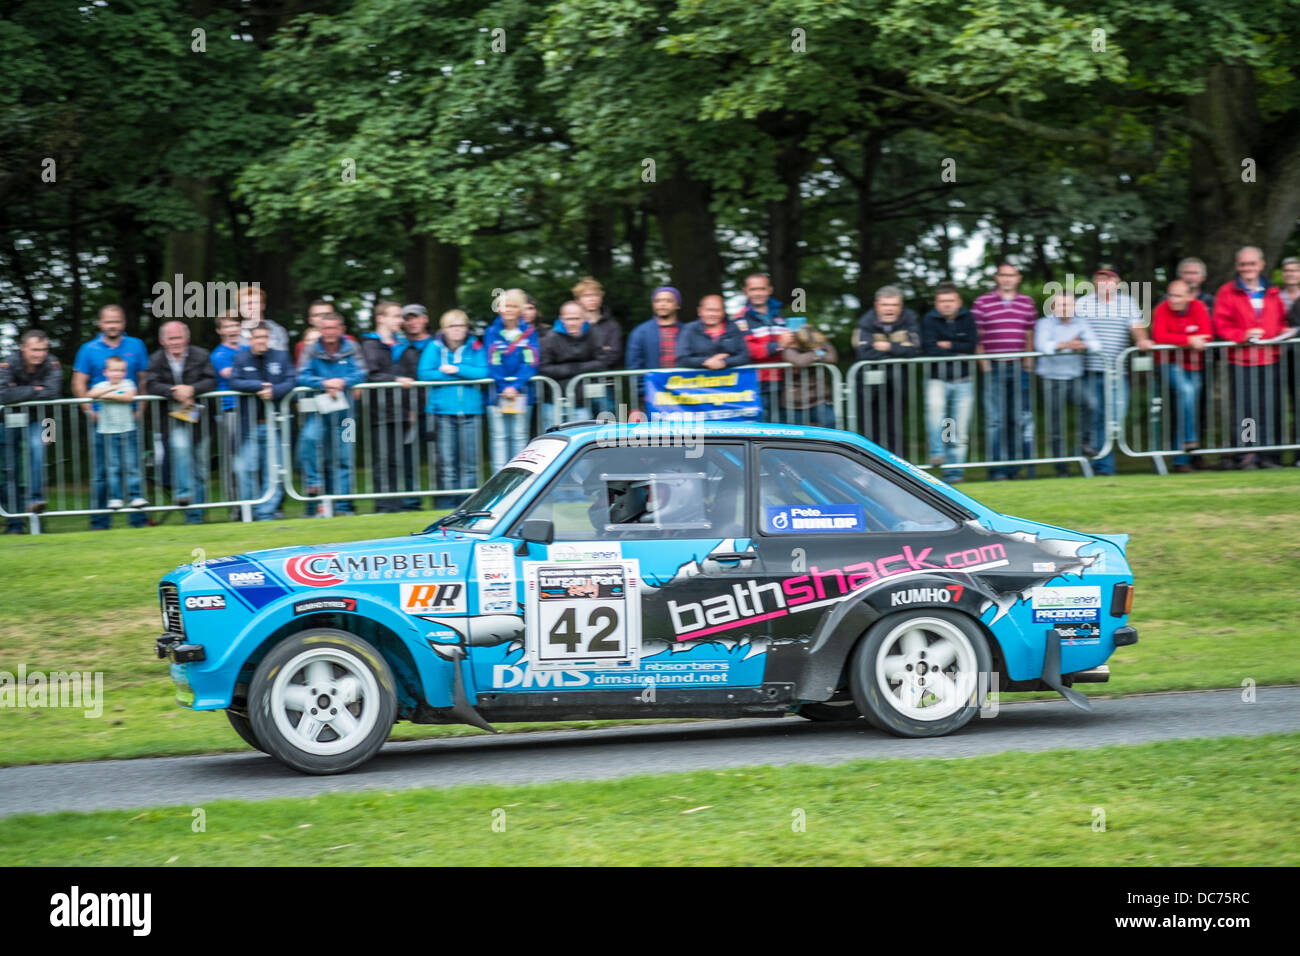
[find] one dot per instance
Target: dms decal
(205, 602)
(247, 579)
(442, 598)
(327, 569)
(945, 595)
(749, 602)
(316, 605)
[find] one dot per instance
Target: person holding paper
(181, 372)
(332, 364)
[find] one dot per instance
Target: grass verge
(1172, 803)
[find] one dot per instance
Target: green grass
(1214, 556)
(1172, 803)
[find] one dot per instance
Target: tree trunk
(1227, 209)
(74, 267)
(634, 229)
(600, 241)
(186, 252)
(690, 238)
(872, 150)
(432, 275)
(785, 222)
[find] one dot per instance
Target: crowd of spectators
(1074, 341)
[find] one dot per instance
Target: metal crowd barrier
(978, 411)
(384, 443)
(1184, 403)
(59, 452)
(803, 395)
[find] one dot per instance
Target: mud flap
(1052, 673)
(461, 708)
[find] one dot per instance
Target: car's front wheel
(918, 674)
(322, 701)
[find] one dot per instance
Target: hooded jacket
(17, 384)
(565, 356)
(318, 365)
(470, 359)
(960, 332)
(512, 364)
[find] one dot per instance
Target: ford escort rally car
(615, 571)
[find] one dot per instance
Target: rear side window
(803, 491)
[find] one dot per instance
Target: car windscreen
(485, 508)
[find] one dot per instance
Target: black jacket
(903, 335)
(565, 356)
(17, 384)
(387, 405)
(609, 341)
(960, 331)
(197, 371)
(695, 346)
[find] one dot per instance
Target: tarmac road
(640, 749)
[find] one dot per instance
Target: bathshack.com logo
(77, 909)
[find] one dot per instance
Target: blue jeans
(459, 450)
(947, 409)
(126, 453)
(329, 440)
(509, 435)
(17, 495)
(1098, 415)
(1008, 415)
(184, 457)
(1185, 385)
(253, 472)
(1058, 396)
(122, 452)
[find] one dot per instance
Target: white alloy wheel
(325, 701)
(926, 668)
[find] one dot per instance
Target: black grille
(171, 608)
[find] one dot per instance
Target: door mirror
(537, 531)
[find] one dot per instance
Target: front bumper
(170, 647)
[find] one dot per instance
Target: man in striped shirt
(1114, 316)
(1005, 321)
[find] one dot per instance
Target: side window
(806, 492)
(631, 492)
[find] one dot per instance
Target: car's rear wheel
(830, 711)
(244, 727)
(322, 701)
(918, 674)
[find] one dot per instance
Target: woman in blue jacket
(512, 356)
(458, 409)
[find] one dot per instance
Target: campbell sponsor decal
(321, 604)
(330, 569)
(750, 602)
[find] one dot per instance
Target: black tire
(830, 712)
(922, 701)
(335, 682)
(244, 728)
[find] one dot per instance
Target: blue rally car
(654, 570)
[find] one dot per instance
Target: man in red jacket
(1249, 309)
(1182, 320)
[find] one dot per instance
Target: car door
(648, 583)
(829, 526)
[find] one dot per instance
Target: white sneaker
(115, 503)
(138, 502)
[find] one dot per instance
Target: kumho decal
(751, 602)
(328, 569)
(949, 595)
